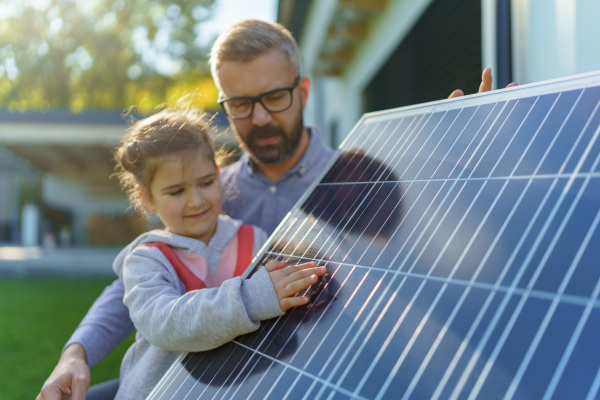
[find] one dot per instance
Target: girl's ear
(146, 199)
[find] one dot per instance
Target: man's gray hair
(249, 39)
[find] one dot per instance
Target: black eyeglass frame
(255, 99)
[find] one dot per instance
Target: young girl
(182, 284)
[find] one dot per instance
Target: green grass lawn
(37, 317)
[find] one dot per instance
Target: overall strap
(245, 246)
(189, 279)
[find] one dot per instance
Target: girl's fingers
(274, 265)
(290, 302)
(296, 275)
(299, 284)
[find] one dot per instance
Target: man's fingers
(456, 93)
(512, 84)
(49, 393)
(486, 80)
(80, 387)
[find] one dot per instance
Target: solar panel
(462, 243)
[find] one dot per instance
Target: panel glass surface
(462, 243)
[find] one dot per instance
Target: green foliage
(98, 54)
(37, 317)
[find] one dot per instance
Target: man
(256, 68)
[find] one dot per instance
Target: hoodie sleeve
(197, 320)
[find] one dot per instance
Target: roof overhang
(76, 147)
(348, 26)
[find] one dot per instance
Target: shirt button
(273, 189)
(301, 170)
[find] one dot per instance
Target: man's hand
(71, 376)
(486, 84)
(290, 280)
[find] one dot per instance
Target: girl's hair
(249, 39)
(171, 133)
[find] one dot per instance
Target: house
(59, 174)
(368, 55)
(55, 185)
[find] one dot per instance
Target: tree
(100, 54)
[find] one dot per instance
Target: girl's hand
(290, 280)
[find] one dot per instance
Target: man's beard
(272, 153)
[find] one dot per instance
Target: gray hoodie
(169, 320)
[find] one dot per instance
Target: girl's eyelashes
(175, 192)
(207, 183)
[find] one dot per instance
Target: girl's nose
(195, 199)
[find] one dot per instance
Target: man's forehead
(263, 73)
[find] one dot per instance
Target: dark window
(441, 53)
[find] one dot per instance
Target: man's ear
(304, 89)
(146, 199)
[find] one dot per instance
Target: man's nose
(260, 116)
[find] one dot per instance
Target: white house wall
(69, 195)
(554, 38)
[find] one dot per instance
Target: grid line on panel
(381, 148)
(405, 132)
(438, 143)
(464, 295)
(533, 137)
(560, 130)
(566, 175)
(516, 132)
(350, 298)
(196, 382)
(455, 140)
(587, 150)
(475, 135)
(374, 326)
(415, 228)
(467, 371)
(165, 391)
(363, 325)
(431, 133)
(567, 276)
(514, 105)
(538, 270)
(409, 143)
(594, 389)
(291, 388)
(391, 212)
(310, 389)
(299, 371)
(427, 315)
(169, 377)
(587, 310)
(538, 294)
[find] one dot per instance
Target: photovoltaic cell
(462, 243)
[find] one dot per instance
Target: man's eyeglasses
(274, 101)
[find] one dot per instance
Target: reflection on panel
(462, 243)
